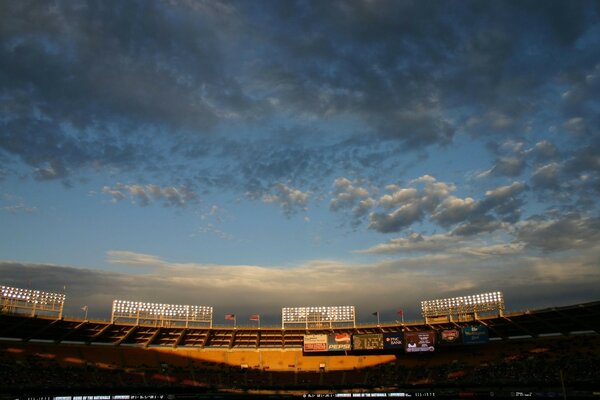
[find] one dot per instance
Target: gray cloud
(404, 206)
(572, 231)
(448, 244)
(146, 194)
(349, 195)
(543, 151)
(291, 200)
(15, 205)
(513, 158)
(546, 177)
(508, 166)
(247, 289)
(93, 86)
(503, 199)
(240, 97)
(478, 225)
(409, 205)
(414, 242)
(504, 202)
(402, 217)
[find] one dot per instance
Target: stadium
(464, 347)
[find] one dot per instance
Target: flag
(376, 313)
(401, 313)
(230, 317)
(255, 317)
(84, 308)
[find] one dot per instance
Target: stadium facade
(182, 355)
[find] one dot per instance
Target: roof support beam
(129, 333)
(44, 329)
(99, 333)
(70, 332)
(180, 338)
(152, 338)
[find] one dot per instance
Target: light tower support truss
(318, 317)
(33, 302)
(159, 314)
(464, 306)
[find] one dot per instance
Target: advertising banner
(416, 342)
(372, 341)
(313, 343)
(449, 337)
(475, 334)
(393, 340)
(339, 342)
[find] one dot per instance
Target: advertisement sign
(416, 342)
(475, 334)
(372, 341)
(313, 343)
(339, 342)
(449, 337)
(393, 340)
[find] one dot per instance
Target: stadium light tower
(463, 306)
(318, 316)
(34, 302)
(161, 314)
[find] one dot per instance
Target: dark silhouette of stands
(536, 364)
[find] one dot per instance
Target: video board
(475, 334)
(339, 342)
(449, 337)
(416, 342)
(315, 343)
(393, 340)
(373, 341)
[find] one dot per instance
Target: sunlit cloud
(147, 194)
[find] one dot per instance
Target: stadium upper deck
(557, 320)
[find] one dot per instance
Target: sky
(254, 155)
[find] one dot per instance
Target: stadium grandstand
(463, 347)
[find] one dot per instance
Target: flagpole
(377, 314)
(255, 317)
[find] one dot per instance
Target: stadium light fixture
(35, 302)
(161, 314)
(463, 305)
(318, 316)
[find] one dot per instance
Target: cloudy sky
(252, 155)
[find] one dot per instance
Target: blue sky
(259, 155)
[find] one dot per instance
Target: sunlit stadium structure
(481, 354)
(32, 302)
(463, 307)
(159, 314)
(318, 317)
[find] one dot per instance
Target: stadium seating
(40, 356)
(535, 363)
